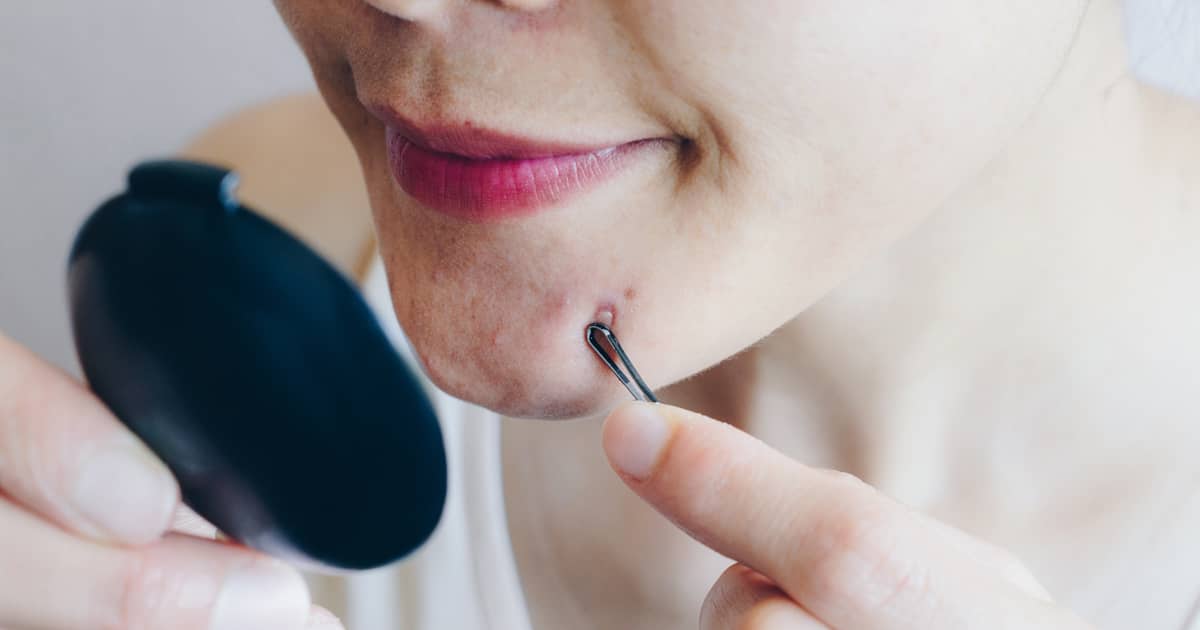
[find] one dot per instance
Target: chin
(517, 350)
(552, 378)
(542, 401)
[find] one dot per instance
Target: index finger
(65, 457)
(832, 543)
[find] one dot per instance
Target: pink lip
(478, 176)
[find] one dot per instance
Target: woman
(949, 247)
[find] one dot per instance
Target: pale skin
(1013, 362)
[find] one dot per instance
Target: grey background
(88, 88)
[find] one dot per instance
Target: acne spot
(606, 314)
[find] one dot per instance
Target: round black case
(256, 371)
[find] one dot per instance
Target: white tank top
(465, 576)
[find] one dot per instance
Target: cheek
(865, 108)
(827, 130)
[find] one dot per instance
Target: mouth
(476, 175)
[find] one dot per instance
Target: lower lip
(481, 190)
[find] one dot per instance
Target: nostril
(527, 5)
(422, 9)
(407, 9)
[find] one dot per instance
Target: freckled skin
(802, 144)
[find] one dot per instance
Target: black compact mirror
(256, 371)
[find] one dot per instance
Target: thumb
(846, 553)
(727, 489)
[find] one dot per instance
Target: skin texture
(952, 233)
(803, 139)
(1019, 367)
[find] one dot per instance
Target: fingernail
(635, 437)
(125, 492)
(264, 595)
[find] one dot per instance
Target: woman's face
(789, 140)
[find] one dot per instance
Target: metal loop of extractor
(628, 376)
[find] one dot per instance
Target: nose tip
(418, 9)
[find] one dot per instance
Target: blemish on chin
(606, 312)
(606, 315)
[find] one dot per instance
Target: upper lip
(472, 140)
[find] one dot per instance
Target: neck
(1046, 305)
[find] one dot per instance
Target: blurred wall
(88, 88)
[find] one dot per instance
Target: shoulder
(298, 169)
